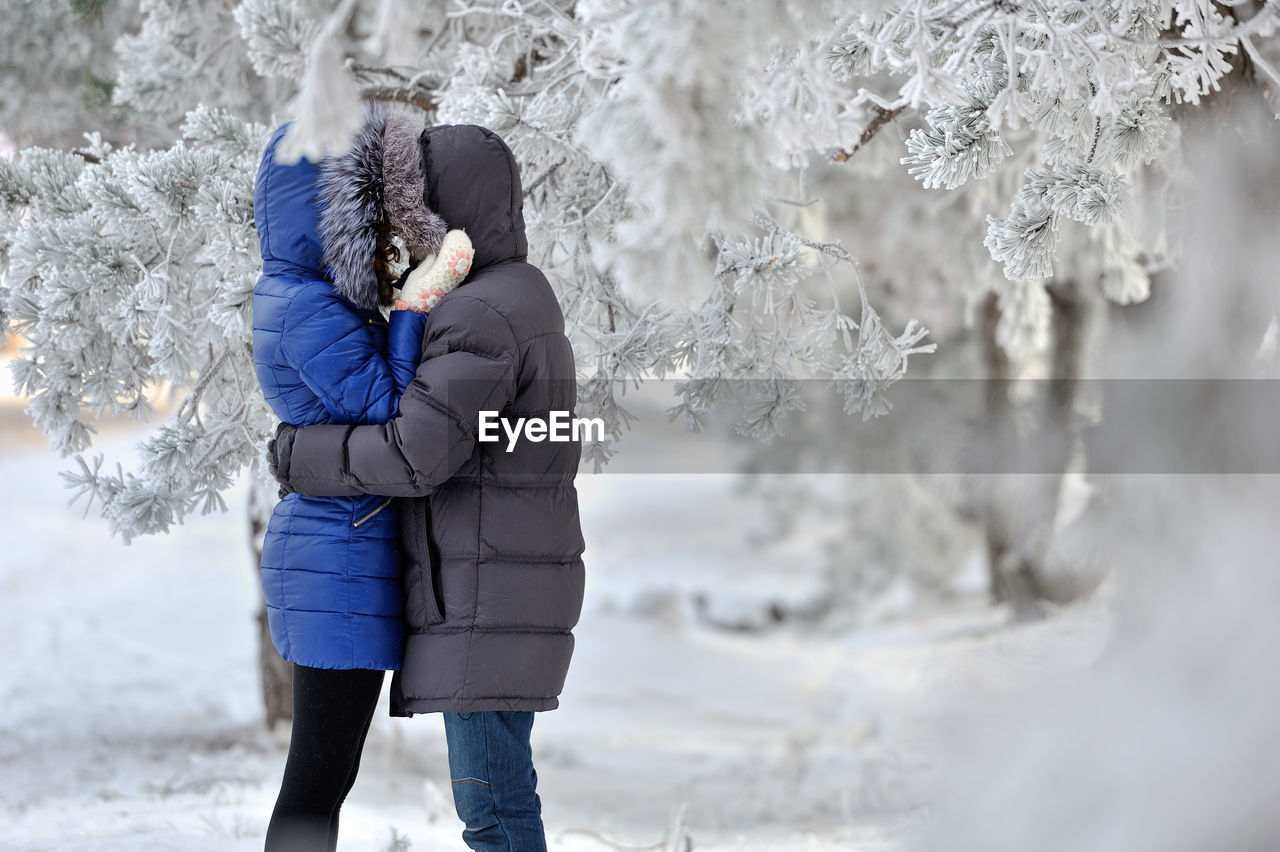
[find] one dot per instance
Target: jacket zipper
(384, 505)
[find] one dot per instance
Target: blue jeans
(494, 783)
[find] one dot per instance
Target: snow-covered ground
(129, 712)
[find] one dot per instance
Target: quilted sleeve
(404, 348)
(469, 366)
(330, 345)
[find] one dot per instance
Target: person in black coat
(490, 530)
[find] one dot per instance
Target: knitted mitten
(431, 279)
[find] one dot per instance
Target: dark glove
(279, 449)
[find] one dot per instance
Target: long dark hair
(384, 256)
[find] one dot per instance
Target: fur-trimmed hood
(377, 185)
(323, 218)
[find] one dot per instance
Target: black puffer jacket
(493, 569)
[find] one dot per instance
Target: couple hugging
(395, 305)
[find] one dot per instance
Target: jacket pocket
(423, 606)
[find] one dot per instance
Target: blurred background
(936, 347)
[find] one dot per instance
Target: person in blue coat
(336, 237)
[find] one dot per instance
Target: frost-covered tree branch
(1085, 88)
(127, 270)
(651, 136)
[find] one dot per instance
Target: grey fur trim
(354, 195)
(421, 228)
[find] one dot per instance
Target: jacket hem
(375, 665)
(414, 706)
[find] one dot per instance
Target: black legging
(332, 709)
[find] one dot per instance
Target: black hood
(474, 184)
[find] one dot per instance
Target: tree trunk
(1019, 510)
(274, 674)
(1010, 577)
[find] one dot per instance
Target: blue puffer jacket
(330, 565)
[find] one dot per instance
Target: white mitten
(431, 279)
